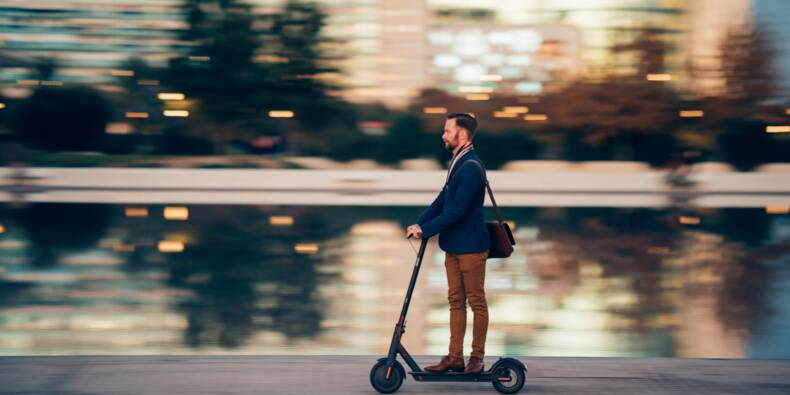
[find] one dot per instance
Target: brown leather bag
(502, 240)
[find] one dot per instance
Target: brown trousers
(466, 274)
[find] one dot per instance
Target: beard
(449, 147)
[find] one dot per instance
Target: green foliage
(296, 40)
(497, 149)
(219, 69)
(405, 139)
(57, 229)
(241, 66)
(744, 143)
(68, 118)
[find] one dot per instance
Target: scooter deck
(452, 376)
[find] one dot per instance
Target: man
(457, 216)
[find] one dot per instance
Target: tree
(137, 105)
(303, 84)
(648, 49)
(78, 227)
(46, 68)
(739, 116)
(262, 285)
(241, 66)
(139, 95)
(625, 114)
(226, 88)
(63, 118)
(747, 56)
(744, 143)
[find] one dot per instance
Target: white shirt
(455, 159)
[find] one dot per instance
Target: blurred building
(521, 46)
(386, 53)
(392, 49)
(479, 59)
(692, 30)
(708, 22)
(88, 39)
(600, 24)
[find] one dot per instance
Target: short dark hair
(466, 121)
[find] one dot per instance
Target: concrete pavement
(606, 188)
(349, 375)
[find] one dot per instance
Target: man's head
(459, 129)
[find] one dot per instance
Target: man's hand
(414, 231)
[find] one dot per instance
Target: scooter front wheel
(384, 383)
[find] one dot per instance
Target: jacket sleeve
(434, 210)
(470, 181)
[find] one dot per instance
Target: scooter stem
(412, 282)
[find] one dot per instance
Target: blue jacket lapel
(458, 164)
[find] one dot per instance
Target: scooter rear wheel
(509, 378)
(379, 380)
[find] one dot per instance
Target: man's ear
(467, 134)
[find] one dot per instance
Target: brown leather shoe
(475, 365)
(448, 363)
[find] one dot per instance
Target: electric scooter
(508, 375)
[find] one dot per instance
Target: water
(94, 279)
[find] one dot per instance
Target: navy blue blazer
(457, 213)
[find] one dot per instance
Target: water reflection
(94, 279)
(244, 277)
(56, 229)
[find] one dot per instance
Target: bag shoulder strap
(488, 187)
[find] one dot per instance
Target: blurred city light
(689, 220)
(16, 93)
(176, 213)
(2, 228)
(136, 115)
(517, 109)
(281, 220)
(374, 128)
(491, 78)
(475, 89)
(170, 246)
(777, 209)
(434, 110)
(119, 128)
(122, 73)
(136, 212)
(778, 129)
(171, 96)
(505, 114)
(477, 96)
(176, 113)
(306, 248)
(691, 113)
(536, 117)
(121, 247)
(2, 105)
(281, 114)
(659, 77)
